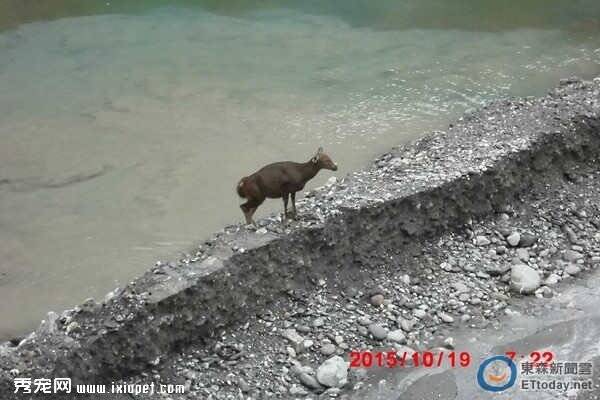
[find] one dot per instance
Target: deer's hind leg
(294, 214)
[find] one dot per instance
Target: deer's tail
(240, 187)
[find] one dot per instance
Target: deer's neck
(308, 170)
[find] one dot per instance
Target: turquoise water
(125, 131)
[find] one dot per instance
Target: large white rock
(333, 372)
(524, 279)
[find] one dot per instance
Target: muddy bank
(411, 194)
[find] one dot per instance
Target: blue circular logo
(497, 373)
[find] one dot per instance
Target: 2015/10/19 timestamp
(425, 359)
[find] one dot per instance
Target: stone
(49, 325)
(295, 339)
(378, 331)
(377, 300)
(552, 280)
(364, 321)
(328, 349)
(572, 255)
(523, 254)
(244, 386)
(524, 279)
(309, 381)
(303, 328)
(482, 241)
(407, 324)
(527, 240)
(333, 372)
(513, 239)
(73, 327)
(291, 352)
(318, 322)
(446, 318)
(460, 287)
(504, 231)
(396, 336)
(296, 390)
(483, 275)
(572, 269)
(419, 313)
(497, 268)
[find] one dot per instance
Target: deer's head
(322, 160)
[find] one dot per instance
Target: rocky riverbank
(447, 231)
(470, 276)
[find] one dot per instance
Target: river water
(124, 128)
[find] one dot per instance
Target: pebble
(73, 327)
(460, 287)
(328, 349)
(523, 254)
(333, 372)
(527, 240)
(513, 239)
(572, 269)
(396, 336)
(405, 279)
(377, 300)
(309, 381)
(552, 280)
(446, 318)
(572, 255)
(419, 313)
(464, 297)
(318, 322)
(291, 352)
(524, 279)
(497, 268)
(378, 331)
(407, 324)
(243, 385)
(296, 390)
(482, 241)
(295, 339)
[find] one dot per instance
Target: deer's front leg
(285, 203)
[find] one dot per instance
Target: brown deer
(280, 179)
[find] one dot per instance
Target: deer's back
(278, 178)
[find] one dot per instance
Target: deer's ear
(320, 151)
